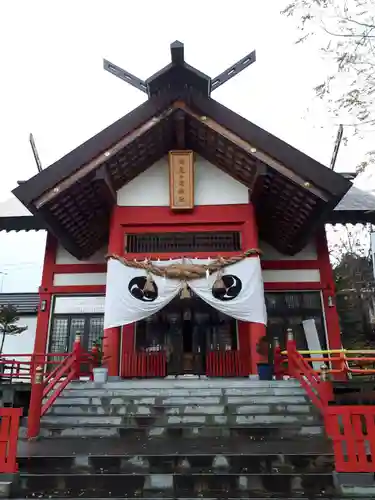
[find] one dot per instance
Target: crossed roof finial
(178, 74)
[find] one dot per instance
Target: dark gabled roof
(290, 188)
(22, 223)
(294, 159)
(291, 192)
(25, 303)
(356, 207)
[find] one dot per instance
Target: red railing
(47, 387)
(21, 367)
(9, 426)
(351, 428)
(225, 364)
(144, 364)
(352, 431)
(319, 390)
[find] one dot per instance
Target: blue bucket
(265, 371)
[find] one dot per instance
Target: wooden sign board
(181, 180)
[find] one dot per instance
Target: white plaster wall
(24, 342)
(211, 187)
(274, 276)
(286, 276)
(270, 253)
(78, 279)
(269, 275)
(89, 304)
(64, 257)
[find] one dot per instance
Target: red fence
(21, 367)
(47, 386)
(144, 364)
(9, 426)
(320, 391)
(352, 431)
(351, 428)
(225, 364)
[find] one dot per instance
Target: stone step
(182, 393)
(179, 464)
(178, 400)
(194, 432)
(239, 496)
(163, 420)
(112, 448)
(175, 485)
(221, 383)
(230, 409)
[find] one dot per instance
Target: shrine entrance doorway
(187, 330)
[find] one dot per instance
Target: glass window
(288, 310)
(65, 328)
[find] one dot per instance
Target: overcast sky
(53, 84)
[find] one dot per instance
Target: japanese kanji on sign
(181, 175)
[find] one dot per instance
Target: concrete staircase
(188, 438)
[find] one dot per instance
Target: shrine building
(183, 233)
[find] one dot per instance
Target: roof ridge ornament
(180, 75)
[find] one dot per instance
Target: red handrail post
(94, 361)
(291, 348)
(77, 350)
(325, 386)
(35, 408)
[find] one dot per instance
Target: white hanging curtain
(242, 296)
(131, 297)
(127, 302)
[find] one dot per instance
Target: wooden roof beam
(101, 159)
(251, 150)
(180, 129)
(104, 179)
(177, 53)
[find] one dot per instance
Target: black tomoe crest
(233, 287)
(136, 289)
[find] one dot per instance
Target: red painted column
(127, 347)
(328, 289)
(45, 299)
(329, 302)
(111, 350)
(112, 336)
(254, 330)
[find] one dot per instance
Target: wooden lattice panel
(83, 211)
(284, 211)
(221, 152)
(137, 157)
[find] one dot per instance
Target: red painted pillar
(112, 336)
(328, 291)
(111, 350)
(329, 298)
(45, 300)
(128, 347)
(254, 330)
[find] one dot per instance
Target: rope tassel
(149, 285)
(219, 283)
(185, 292)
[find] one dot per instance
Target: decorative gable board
(212, 187)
